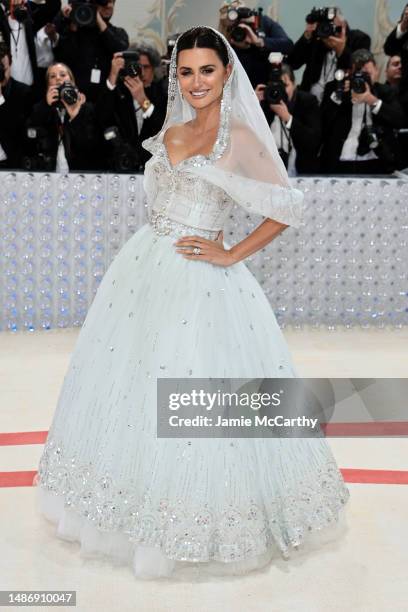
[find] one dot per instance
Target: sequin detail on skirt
(196, 533)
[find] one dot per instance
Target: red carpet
(25, 478)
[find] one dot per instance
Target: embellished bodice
(181, 200)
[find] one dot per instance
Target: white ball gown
(168, 506)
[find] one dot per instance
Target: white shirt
(282, 142)
(62, 162)
(327, 74)
(349, 150)
(21, 66)
(44, 49)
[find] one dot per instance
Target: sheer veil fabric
(245, 161)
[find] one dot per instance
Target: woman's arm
(258, 239)
(215, 253)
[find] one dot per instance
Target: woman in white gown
(177, 302)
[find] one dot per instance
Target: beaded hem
(201, 533)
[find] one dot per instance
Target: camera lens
(358, 82)
(68, 93)
(324, 29)
(238, 34)
(83, 14)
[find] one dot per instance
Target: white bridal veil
(244, 162)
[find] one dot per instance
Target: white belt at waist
(164, 226)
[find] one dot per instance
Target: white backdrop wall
(346, 264)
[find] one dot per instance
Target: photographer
(45, 40)
(62, 128)
(360, 117)
(325, 46)
(294, 118)
(254, 36)
(397, 44)
(134, 100)
(87, 41)
(15, 105)
(393, 72)
(20, 20)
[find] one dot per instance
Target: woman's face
(201, 76)
(57, 75)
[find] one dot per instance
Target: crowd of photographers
(75, 96)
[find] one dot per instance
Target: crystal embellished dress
(168, 506)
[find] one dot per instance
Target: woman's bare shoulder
(175, 132)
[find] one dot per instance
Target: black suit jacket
(88, 48)
(306, 130)
(255, 59)
(13, 115)
(38, 16)
(116, 108)
(80, 135)
(312, 53)
(337, 120)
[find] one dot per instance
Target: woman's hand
(212, 251)
(52, 95)
(74, 109)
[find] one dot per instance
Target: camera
(368, 141)
(165, 59)
(339, 80)
(83, 12)
(372, 139)
(324, 18)
(236, 15)
(171, 42)
(68, 93)
(42, 160)
(275, 90)
(358, 81)
(19, 13)
(131, 69)
(124, 157)
(39, 163)
(132, 66)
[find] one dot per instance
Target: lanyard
(16, 38)
(285, 132)
(328, 66)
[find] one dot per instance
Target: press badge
(95, 75)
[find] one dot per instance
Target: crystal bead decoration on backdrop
(60, 234)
